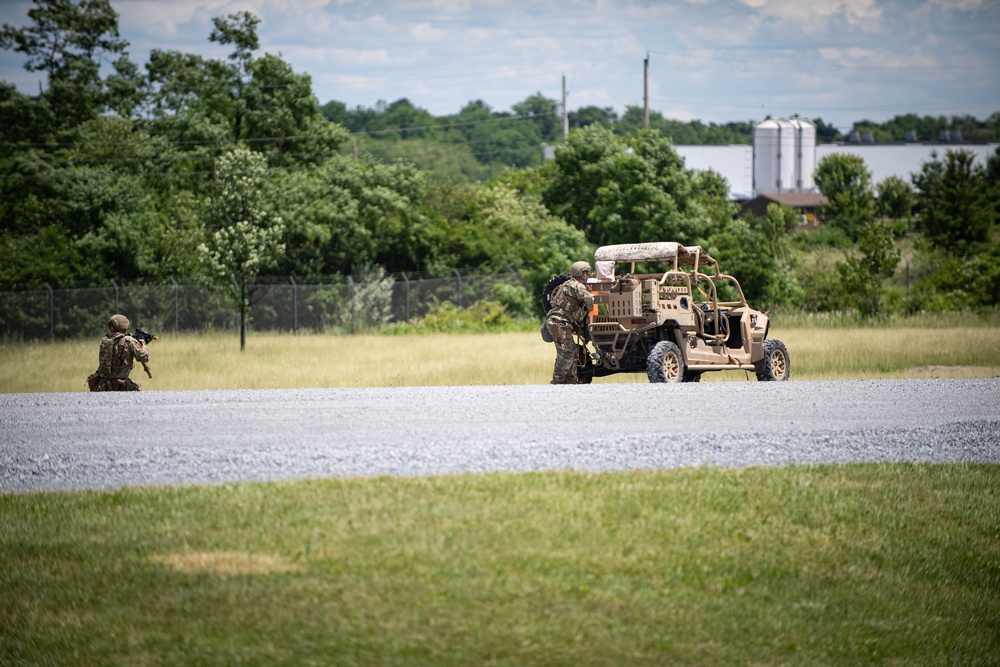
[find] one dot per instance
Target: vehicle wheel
(550, 287)
(774, 367)
(665, 363)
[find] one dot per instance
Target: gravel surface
(81, 440)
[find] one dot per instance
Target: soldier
(571, 302)
(118, 351)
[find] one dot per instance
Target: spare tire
(550, 287)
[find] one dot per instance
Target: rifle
(146, 339)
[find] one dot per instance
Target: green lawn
(829, 565)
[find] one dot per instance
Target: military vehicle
(667, 309)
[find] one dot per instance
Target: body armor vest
(112, 356)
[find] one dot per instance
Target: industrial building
(782, 160)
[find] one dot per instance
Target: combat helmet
(579, 268)
(118, 323)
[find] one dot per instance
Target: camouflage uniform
(117, 356)
(571, 302)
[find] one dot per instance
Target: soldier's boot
(572, 379)
(558, 379)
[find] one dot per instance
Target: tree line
(222, 170)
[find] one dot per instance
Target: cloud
(812, 16)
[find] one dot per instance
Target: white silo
(784, 156)
(805, 155)
(765, 156)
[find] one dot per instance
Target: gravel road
(80, 440)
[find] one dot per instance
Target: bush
(483, 316)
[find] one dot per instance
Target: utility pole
(645, 91)
(565, 112)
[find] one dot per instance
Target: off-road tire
(550, 287)
(665, 363)
(775, 366)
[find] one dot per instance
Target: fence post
(406, 281)
(459, 277)
(52, 313)
(295, 305)
(176, 307)
(350, 281)
(116, 293)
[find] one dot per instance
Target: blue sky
(713, 60)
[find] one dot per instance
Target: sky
(711, 60)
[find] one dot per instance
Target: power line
(829, 65)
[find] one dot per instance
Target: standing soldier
(118, 352)
(571, 302)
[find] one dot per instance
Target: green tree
(686, 133)
(992, 177)
(757, 251)
(955, 209)
(499, 140)
(589, 115)
(895, 198)
(847, 184)
(825, 133)
(242, 237)
(863, 275)
(69, 41)
(206, 106)
(351, 212)
(501, 230)
(541, 111)
(625, 190)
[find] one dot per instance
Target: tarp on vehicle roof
(661, 251)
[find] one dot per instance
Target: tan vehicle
(667, 309)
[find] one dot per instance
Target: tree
(757, 250)
(206, 106)
(691, 133)
(242, 238)
(69, 41)
(862, 275)
(499, 140)
(825, 133)
(895, 198)
(955, 210)
(501, 230)
(541, 111)
(589, 115)
(626, 190)
(847, 184)
(350, 212)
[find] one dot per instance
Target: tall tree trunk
(243, 316)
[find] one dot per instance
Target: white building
(735, 162)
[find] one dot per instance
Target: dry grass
(226, 563)
(213, 361)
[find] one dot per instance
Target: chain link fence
(282, 304)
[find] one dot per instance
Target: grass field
(830, 565)
(213, 361)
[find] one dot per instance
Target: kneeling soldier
(118, 352)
